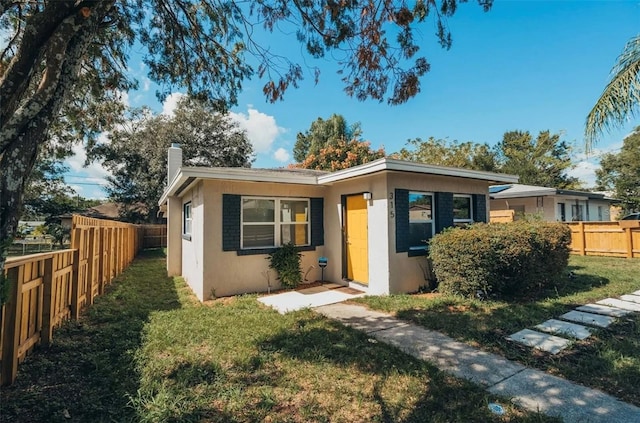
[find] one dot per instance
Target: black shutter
(479, 207)
(230, 222)
(444, 210)
(402, 220)
(317, 221)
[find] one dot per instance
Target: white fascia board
(234, 174)
(524, 194)
(404, 166)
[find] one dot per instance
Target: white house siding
(193, 260)
(377, 212)
(226, 272)
(406, 273)
(531, 205)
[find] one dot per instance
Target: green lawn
(148, 352)
(609, 360)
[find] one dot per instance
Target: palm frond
(621, 96)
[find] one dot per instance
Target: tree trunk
(19, 141)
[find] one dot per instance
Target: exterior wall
(530, 205)
(210, 271)
(174, 236)
(378, 235)
(227, 273)
(550, 209)
(406, 274)
(193, 257)
(605, 211)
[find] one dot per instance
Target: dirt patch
(428, 295)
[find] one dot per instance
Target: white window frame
(470, 219)
(431, 221)
(187, 219)
(277, 224)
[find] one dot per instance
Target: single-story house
(551, 204)
(371, 222)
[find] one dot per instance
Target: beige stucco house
(553, 205)
(370, 221)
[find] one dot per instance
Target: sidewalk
(531, 389)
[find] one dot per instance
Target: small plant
(286, 261)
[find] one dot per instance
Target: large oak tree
(136, 153)
(65, 62)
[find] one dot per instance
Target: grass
(608, 360)
(148, 352)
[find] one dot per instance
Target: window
(421, 214)
(271, 222)
(600, 214)
(561, 212)
(577, 211)
(462, 213)
(186, 219)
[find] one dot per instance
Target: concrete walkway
(531, 389)
(327, 293)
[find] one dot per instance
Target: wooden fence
(613, 239)
(155, 236)
(501, 216)
(46, 289)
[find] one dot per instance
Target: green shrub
(510, 259)
(286, 261)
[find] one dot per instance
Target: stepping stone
(632, 298)
(565, 328)
(588, 318)
(636, 293)
(625, 305)
(542, 341)
(603, 309)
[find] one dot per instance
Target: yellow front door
(357, 239)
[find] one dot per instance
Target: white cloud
(261, 128)
(146, 84)
(123, 96)
(76, 163)
(585, 171)
(170, 103)
(281, 155)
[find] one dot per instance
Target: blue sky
(526, 65)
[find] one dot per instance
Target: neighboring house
(550, 203)
(371, 222)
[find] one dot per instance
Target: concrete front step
(631, 298)
(603, 309)
(588, 318)
(565, 328)
(624, 305)
(542, 341)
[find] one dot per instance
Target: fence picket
(48, 288)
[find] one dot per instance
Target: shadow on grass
(88, 373)
(608, 360)
(491, 321)
(437, 396)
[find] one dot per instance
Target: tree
(542, 161)
(136, 154)
(441, 152)
(621, 96)
(620, 172)
(323, 133)
(63, 67)
(341, 155)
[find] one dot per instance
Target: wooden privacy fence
(46, 289)
(155, 236)
(501, 216)
(613, 239)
